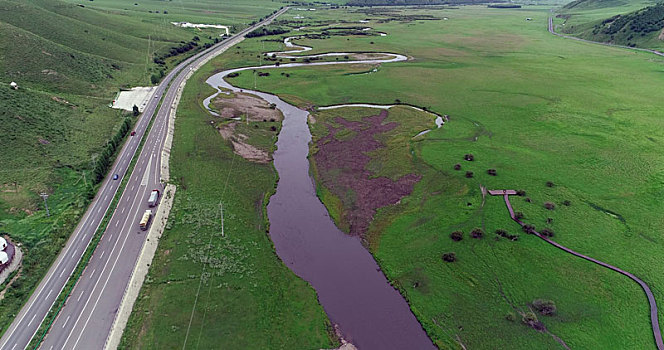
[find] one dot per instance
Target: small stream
(352, 289)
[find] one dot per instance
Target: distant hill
(418, 2)
(594, 4)
(641, 28)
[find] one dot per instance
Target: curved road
(85, 320)
(654, 320)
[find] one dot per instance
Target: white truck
(154, 198)
(145, 220)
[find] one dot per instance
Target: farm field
(69, 62)
(537, 109)
(248, 298)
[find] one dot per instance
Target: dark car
(115, 176)
(133, 133)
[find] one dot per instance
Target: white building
(13, 85)
(4, 258)
(3, 243)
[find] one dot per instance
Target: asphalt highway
(86, 319)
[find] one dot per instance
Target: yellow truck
(145, 220)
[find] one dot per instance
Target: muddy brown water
(354, 292)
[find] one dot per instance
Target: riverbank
(221, 285)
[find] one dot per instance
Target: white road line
(14, 346)
(97, 282)
(98, 210)
(79, 297)
(32, 319)
(102, 254)
(63, 271)
(116, 223)
(93, 273)
(67, 320)
(123, 209)
(47, 295)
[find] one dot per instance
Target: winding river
(357, 297)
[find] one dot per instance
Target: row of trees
(104, 160)
(267, 31)
(644, 21)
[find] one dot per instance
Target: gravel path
(651, 298)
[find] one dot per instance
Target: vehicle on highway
(133, 133)
(116, 176)
(154, 198)
(145, 220)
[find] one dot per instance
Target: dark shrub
(547, 232)
(528, 199)
(544, 307)
(518, 215)
(491, 172)
(477, 233)
(273, 128)
(549, 205)
(457, 166)
(528, 228)
(449, 257)
(469, 174)
(549, 220)
(510, 317)
(567, 203)
(469, 157)
(521, 193)
(549, 184)
(456, 236)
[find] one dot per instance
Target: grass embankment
(248, 298)
(536, 108)
(69, 62)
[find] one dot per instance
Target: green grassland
(70, 61)
(536, 108)
(248, 298)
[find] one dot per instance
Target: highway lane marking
(108, 186)
(63, 271)
(116, 223)
(14, 346)
(47, 295)
(32, 319)
(102, 254)
(67, 320)
(136, 196)
(93, 273)
(123, 209)
(79, 297)
(98, 210)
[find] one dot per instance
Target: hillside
(594, 4)
(70, 58)
(641, 28)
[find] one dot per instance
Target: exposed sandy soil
(240, 146)
(239, 104)
(342, 165)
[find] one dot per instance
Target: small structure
(4, 258)
(529, 19)
(3, 243)
(13, 85)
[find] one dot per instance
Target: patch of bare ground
(341, 161)
(240, 145)
(239, 105)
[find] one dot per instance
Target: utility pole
(44, 196)
(221, 209)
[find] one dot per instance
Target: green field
(248, 297)
(69, 62)
(536, 108)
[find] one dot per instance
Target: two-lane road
(86, 319)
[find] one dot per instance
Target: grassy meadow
(538, 109)
(70, 58)
(248, 299)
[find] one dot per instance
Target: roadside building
(3, 243)
(4, 258)
(13, 85)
